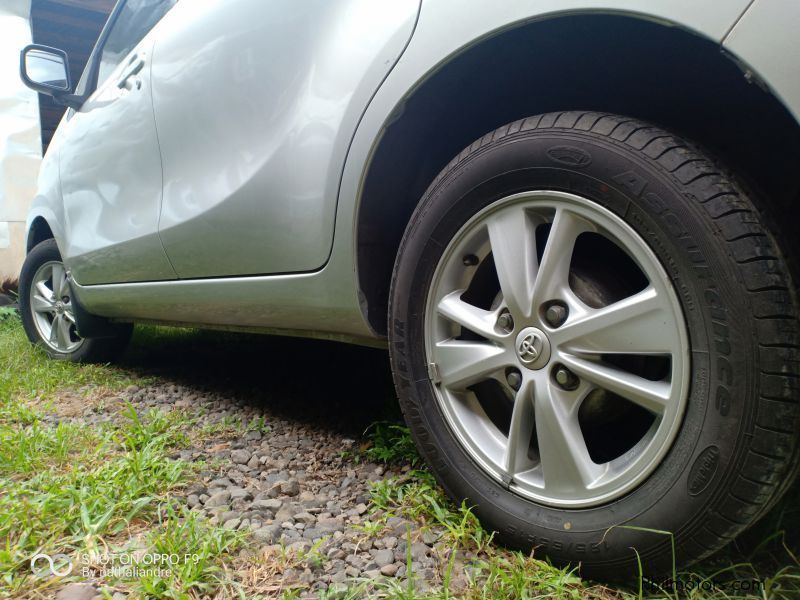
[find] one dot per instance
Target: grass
(761, 564)
(28, 374)
(199, 572)
(390, 442)
(90, 491)
(491, 572)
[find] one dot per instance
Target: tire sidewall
(703, 456)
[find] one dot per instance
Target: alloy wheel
(557, 348)
(52, 308)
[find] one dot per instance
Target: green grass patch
(198, 571)
(492, 572)
(761, 564)
(31, 448)
(70, 488)
(67, 487)
(390, 443)
(28, 373)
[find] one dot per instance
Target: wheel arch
(622, 64)
(38, 232)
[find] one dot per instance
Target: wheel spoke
(471, 317)
(42, 305)
(45, 292)
(640, 324)
(520, 430)
(567, 467)
(54, 329)
(651, 395)
(552, 277)
(59, 279)
(513, 240)
(462, 364)
(63, 336)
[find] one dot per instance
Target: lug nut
(555, 315)
(505, 322)
(565, 378)
(470, 260)
(514, 379)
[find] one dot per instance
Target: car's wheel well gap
(611, 64)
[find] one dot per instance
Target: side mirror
(46, 70)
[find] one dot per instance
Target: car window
(135, 20)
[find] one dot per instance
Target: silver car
(570, 221)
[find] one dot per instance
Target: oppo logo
(44, 565)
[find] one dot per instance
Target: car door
(110, 164)
(256, 102)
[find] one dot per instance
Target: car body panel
(759, 52)
(322, 304)
(110, 171)
(47, 203)
(255, 118)
(326, 302)
(429, 48)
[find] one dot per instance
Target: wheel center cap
(59, 307)
(533, 348)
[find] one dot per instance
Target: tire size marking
(557, 545)
(721, 334)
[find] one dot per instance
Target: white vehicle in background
(571, 220)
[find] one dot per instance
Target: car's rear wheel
(593, 335)
(48, 311)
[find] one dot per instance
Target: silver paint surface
(264, 117)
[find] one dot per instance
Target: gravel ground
(293, 484)
(279, 428)
(297, 480)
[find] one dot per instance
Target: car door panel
(255, 120)
(111, 181)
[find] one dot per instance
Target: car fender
(47, 204)
(770, 60)
(446, 28)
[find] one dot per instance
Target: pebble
(77, 591)
(383, 557)
(305, 518)
(290, 484)
(237, 493)
(268, 535)
(240, 457)
(219, 499)
(272, 504)
(290, 488)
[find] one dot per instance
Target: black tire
(94, 350)
(737, 445)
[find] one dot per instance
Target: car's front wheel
(593, 335)
(48, 311)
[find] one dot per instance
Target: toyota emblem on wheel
(530, 348)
